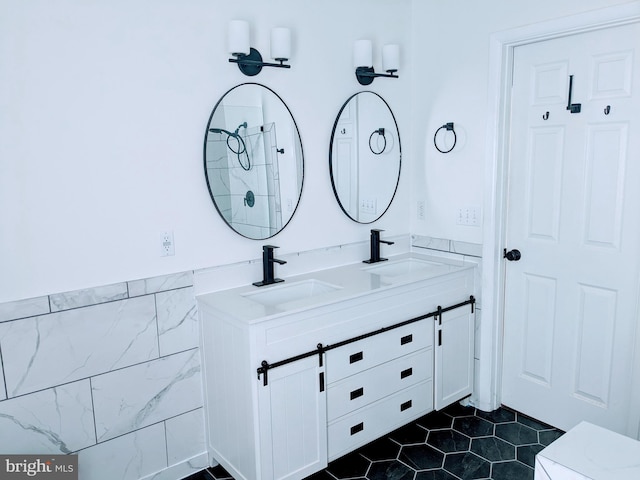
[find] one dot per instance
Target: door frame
(501, 53)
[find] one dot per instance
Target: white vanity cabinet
(342, 369)
(273, 430)
(454, 354)
(292, 421)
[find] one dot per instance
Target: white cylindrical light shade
(362, 53)
(391, 58)
(238, 37)
(280, 43)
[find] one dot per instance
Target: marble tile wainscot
(109, 373)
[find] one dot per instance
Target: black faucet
(267, 267)
(375, 246)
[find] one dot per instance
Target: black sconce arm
(365, 75)
(252, 64)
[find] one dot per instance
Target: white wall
(450, 70)
(103, 109)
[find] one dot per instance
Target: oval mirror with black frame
(253, 161)
(365, 157)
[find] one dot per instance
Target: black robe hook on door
(572, 107)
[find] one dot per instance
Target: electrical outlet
(469, 216)
(168, 247)
(420, 209)
(368, 205)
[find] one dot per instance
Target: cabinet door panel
(454, 348)
(293, 421)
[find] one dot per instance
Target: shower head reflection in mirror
(239, 148)
(252, 145)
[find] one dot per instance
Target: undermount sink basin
(404, 267)
(285, 293)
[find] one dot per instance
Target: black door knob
(512, 255)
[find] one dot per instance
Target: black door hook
(572, 107)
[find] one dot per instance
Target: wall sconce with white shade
(249, 59)
(363, 61)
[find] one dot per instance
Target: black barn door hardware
(572, 107)
(321, 349)
(266, 366)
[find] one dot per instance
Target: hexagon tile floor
(457, 443)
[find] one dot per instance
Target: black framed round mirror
(253, 161)
(365, 156)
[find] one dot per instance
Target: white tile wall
(466, 248)
(57, 420)
(444, 245)
(3, 389)
(128, 457)
(178, 325)
(127, 368)
(159, 284)
(89, 296)
(181, 470)
(134, 397)
(185, 436)
(45, 351)
(24, 308)
(431, 243)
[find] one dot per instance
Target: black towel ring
(380, 133)
(448, 127)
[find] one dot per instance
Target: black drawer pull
(405, 405)
(357, 393)
(406, 339)
(357, 428)
(356, 357)
(406, 373)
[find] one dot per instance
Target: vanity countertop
(250, 304)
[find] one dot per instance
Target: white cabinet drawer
(366, 387)
(370, 422)
(368, 352)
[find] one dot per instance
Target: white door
(574, 214)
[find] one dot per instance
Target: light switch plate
(469, 216)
